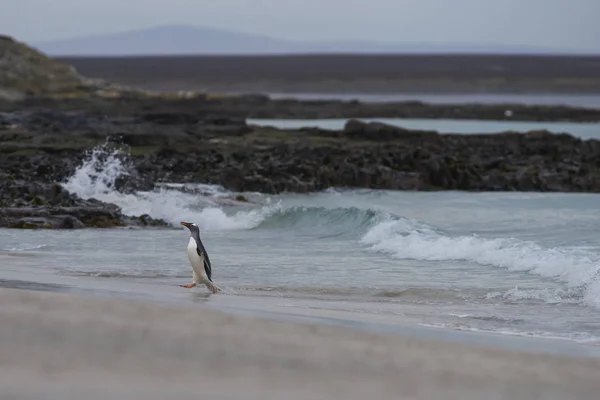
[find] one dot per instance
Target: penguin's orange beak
(186, 224)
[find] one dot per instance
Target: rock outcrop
(48, 146)
(29, 203)
(26, 71)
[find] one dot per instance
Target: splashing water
(96, 178)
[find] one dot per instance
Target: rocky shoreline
(189, 107)
(41, 147)
(31, 203)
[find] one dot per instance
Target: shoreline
(115, 100)
(269, 309)
(70, 344)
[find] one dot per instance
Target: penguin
(201, 266)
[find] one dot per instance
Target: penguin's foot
(214, 289)
(191, 285)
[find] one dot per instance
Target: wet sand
(67, 346)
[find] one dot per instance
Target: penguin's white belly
(196, 260)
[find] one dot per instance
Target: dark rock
(145, 220)
(382, 132)
(53, 222)
(71, 218)
(71, 222)
(34, 204)
(171, 118)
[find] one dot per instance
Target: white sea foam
(579, 337)
(550, 296)
(97, 175)
(577, 268)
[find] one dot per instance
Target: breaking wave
(577, 268)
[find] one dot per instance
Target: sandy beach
(67, 346)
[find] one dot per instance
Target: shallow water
(578, 129)
(512, 263)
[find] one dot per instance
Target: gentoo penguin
(201, 267)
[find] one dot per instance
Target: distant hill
(165, 40)
(192, 40)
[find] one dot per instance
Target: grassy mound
(25, 71)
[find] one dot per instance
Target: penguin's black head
(191, 226)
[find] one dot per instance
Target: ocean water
(583, 130)
(524, 264)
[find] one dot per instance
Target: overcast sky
(573, 25)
